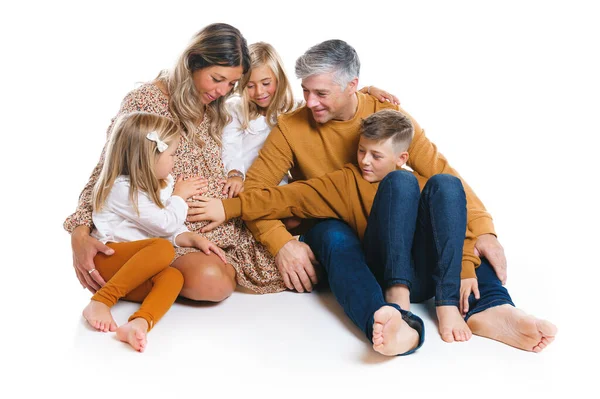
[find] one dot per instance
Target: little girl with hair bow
(139, 212)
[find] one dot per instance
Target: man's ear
(401, 159)
(352, 86)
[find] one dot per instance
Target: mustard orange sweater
(310, 150)
(342, 194)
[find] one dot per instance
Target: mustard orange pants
(139, 271)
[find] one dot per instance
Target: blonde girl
(265, 93)
(192, 94)
(139, 212)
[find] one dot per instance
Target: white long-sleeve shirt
(118, 221)
(240, 147)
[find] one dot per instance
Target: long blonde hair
(216, 44)
(283, 101)
(130, 153)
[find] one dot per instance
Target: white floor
(508, 92)
(286, 344)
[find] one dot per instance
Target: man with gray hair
(321, 137)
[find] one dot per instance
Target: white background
(509, 91)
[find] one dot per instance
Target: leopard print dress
(254, 265)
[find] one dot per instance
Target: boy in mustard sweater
(373, 198)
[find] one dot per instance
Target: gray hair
(331, 56)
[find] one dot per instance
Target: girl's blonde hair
(131, 153)
(283, 101)
(216, 44)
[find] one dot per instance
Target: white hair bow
(161, 145)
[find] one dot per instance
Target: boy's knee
(403, 182)
(444, 180)
(446, 185)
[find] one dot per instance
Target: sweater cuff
(468, 270)
(275, 239)
(232, 207)
(483, 225)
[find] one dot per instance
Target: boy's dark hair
(388, 123)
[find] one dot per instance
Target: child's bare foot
(98, 316)
(513, 327)
(134, 333)
(452, 326)
(398, 294)
(391, 334)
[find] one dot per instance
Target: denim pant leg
(439, 241)
(389, 237)
(391, 228)
(338, 249)
(491, 291)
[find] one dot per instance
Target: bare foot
(398, 294)
(98, 316)
(134, 333)
(513, 327)
(452, 326)
(392, 335)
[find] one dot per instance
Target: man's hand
(488, 246)
(295, 263)
(467, 285)
(85, 248)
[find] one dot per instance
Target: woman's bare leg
(205, 277)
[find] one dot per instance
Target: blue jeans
(338, 249)
(491, 291)
(438, 247)
(438, 241)
(430, 226)
(358, 274)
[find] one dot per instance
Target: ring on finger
(91, 271)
